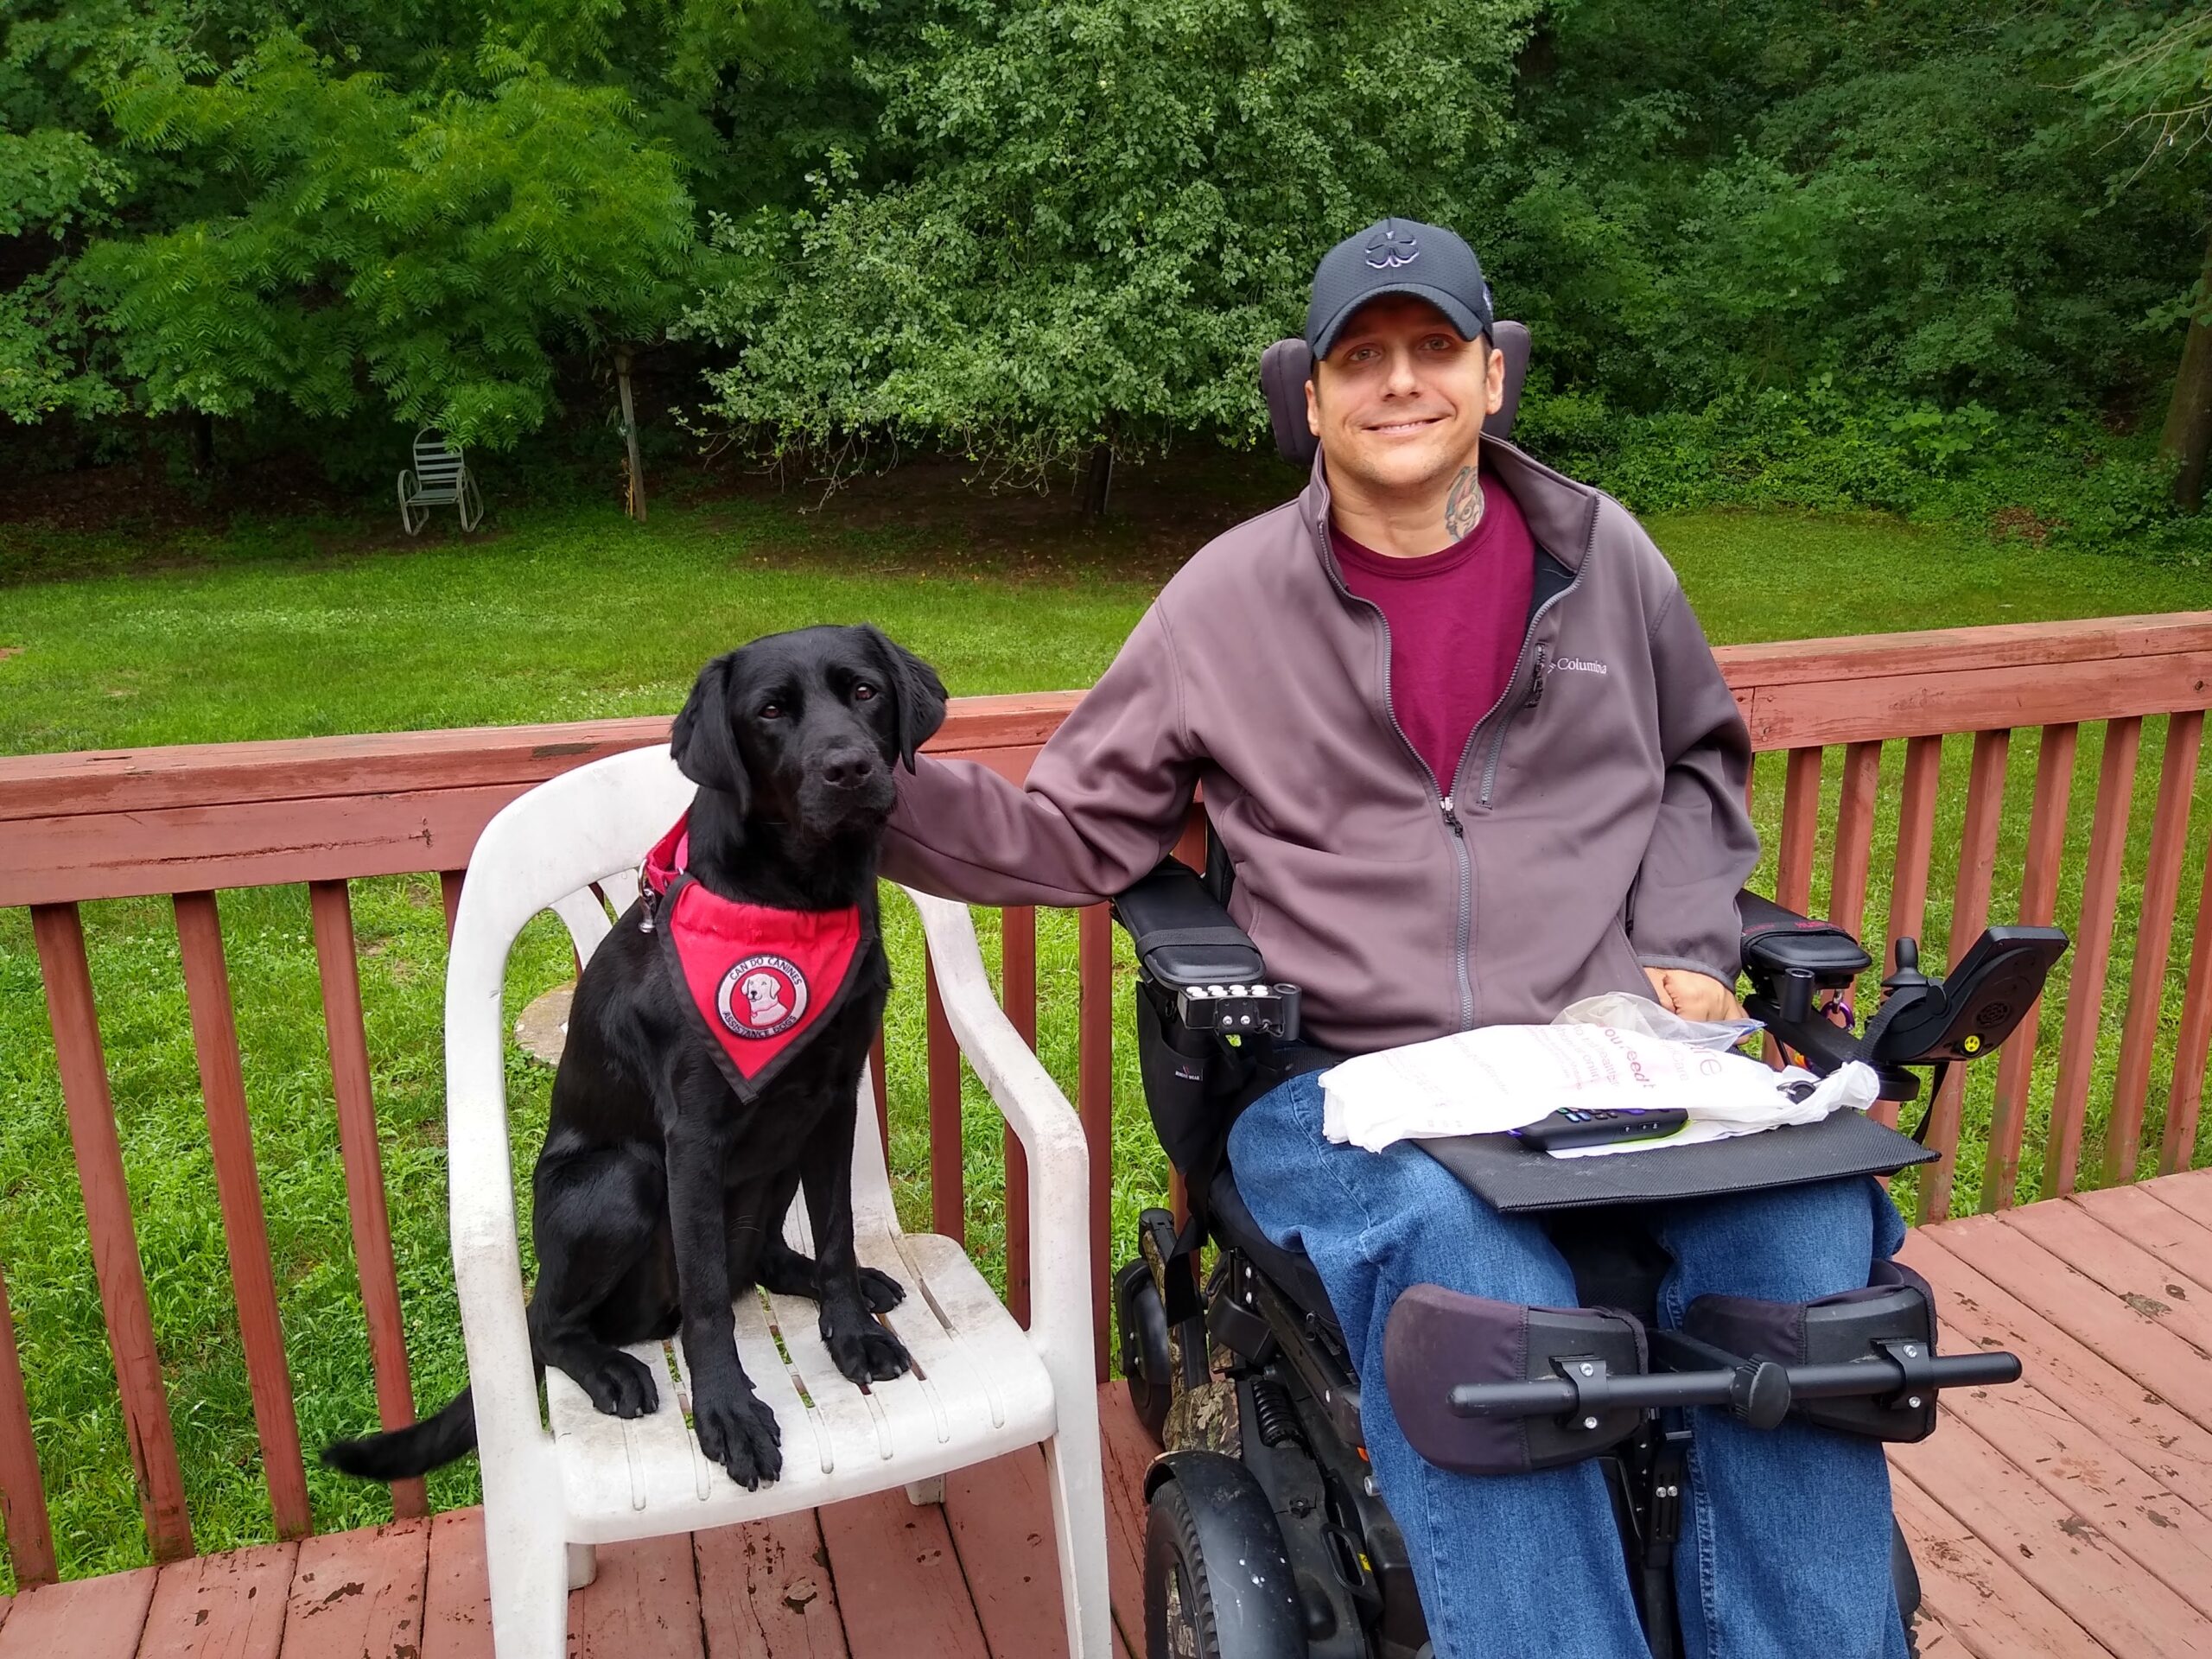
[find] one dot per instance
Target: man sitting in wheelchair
(1466, 758)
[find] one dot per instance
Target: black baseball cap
(1397, 256)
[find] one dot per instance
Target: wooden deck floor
(2070, 1515)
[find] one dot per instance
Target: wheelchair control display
(1920, 1022)
(1240, 1010)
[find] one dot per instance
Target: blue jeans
(1785, 1548)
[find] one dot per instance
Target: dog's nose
(848, 770)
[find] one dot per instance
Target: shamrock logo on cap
(1393, 248)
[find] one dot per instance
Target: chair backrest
(543, 851)
(1286, 365)
(437, 463)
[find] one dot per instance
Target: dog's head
(804, 728)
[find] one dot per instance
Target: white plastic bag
(1625, 1011)
(1504, 1076)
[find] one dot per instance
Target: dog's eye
(862, 691)
(771, 711)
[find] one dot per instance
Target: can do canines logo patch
(761, 996)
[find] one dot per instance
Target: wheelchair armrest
(1778, 942)
(1182, 935)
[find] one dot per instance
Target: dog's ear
(919, 695)
(703, 741)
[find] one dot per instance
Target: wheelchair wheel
(1143, 1330)
(1179, 1611)
(1211, 1509)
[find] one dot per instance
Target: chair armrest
(1183, 935)
(1780, 941)
(486, 1254)
(1047, 1127)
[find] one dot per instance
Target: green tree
(432, 250)
(2156, 78)
(1907, 197)
(1081, 221)
(255, 210)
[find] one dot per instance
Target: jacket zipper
(1464, 944)
(1535, 691)
(1465, 937)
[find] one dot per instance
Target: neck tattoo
(1463, 507)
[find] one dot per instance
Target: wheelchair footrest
(1863, 1362)
(1438, 1342)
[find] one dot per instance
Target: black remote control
(1577, 1127)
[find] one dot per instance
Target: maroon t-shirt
(1458, 620)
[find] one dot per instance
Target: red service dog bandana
(760, 979)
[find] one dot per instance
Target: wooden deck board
(904, 1595)
(2074, 1565)
(1984, 1602)
(228, 1607)
(1129, 1451)
(2113, 1261)
(359, 1594)
(2190, 1194)
(2174, 1237)
(999, 1514)
(2149, 1524)
(83, 1618)
(766, 1591)
(2155, 1437)
(644, 1604)
(456, 1597)
(2126, 1336)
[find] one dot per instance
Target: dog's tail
(415, 1450)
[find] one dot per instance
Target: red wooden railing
(189, 822)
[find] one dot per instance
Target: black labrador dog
(660, 1194)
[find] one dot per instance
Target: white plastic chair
(556, 1485)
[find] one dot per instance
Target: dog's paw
(864, 1351)
(740, 1435)
(883, 1292)
(619, 1385)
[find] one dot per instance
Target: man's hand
(1692, 995)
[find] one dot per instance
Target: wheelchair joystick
(1908, 969)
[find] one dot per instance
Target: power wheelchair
(1247, 1381)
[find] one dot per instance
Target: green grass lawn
(110, 638)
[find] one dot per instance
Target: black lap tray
(1514, 1177)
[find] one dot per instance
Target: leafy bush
(2063, 480)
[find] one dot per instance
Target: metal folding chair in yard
(440, 478)
(558, 1485)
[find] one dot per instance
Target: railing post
(363, 1156)
(2154, 932)
(23, 1487)
(2085, 995)
(1854, 836)
(1800, 824)
(1969, 914)
(61, 937)
(2185, 1096)
(245, 1229)
(2016, 1065)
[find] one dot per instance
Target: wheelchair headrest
(1286, 365)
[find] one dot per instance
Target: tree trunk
(2188, 436)
(1097, 480)
(635, 506)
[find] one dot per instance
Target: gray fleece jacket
(1595, 826)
